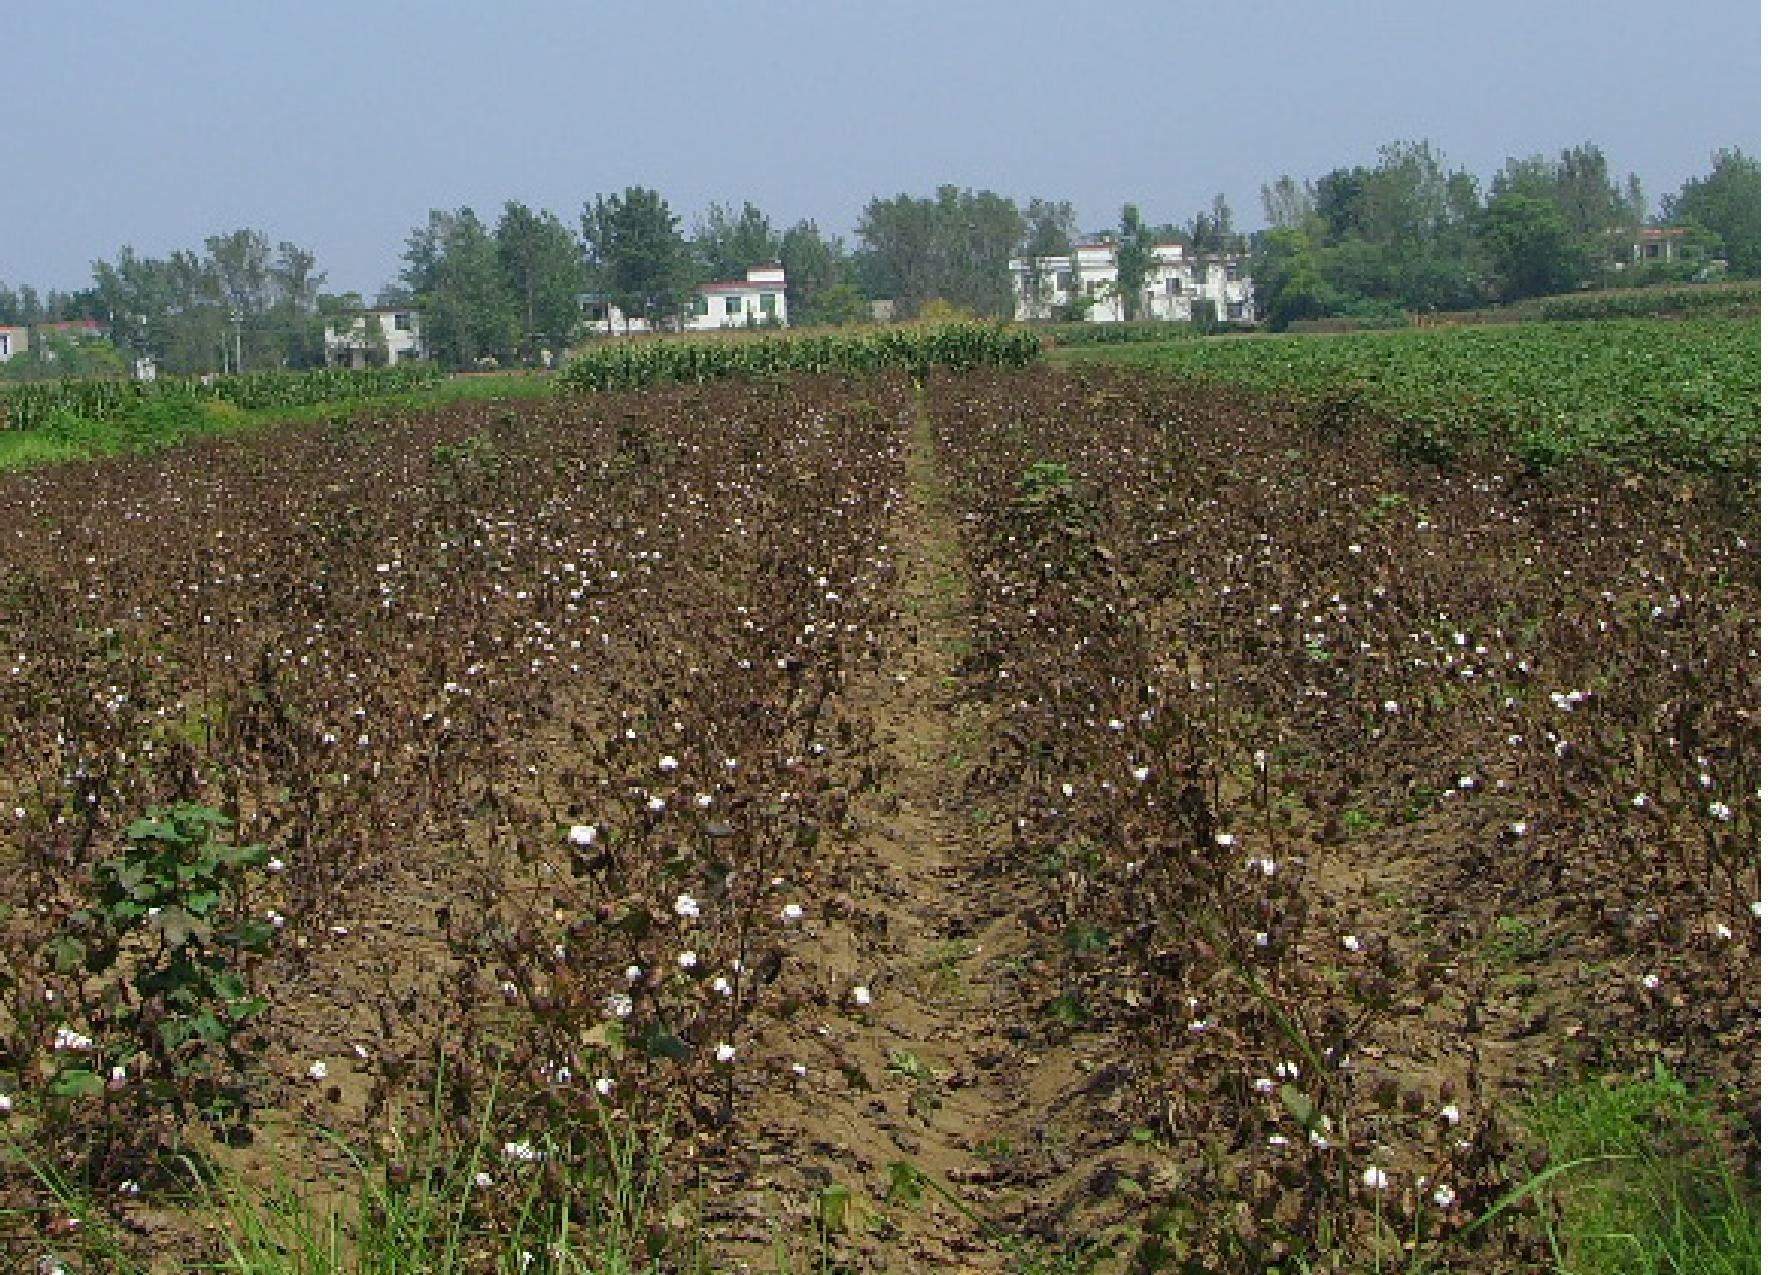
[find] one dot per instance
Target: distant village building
(16, 339)
(759, 300)
(353, 344)
(75, 329)
(1652, 244)
(1180, 287)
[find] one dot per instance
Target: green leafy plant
(167, 938)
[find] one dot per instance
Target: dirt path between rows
(919, 1060)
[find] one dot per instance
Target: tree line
(1408, 233)
(1404, 233)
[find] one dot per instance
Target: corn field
(26, 407)
(915, 350)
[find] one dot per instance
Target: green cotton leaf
(67, 953)
(77, 1082)
(239, 1011)
(174, 1032)
(608, 1035)
(202, 902)
(128, 876)
(151, 829)
(665, 1044)
(208, 1027)
(179, 927)
(253, 936)
(1300, 1106)
(905, 1184)
(227, 985)
(249, 856)
(833, 1205)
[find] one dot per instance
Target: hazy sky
(338, 124)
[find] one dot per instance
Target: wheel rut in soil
(918, 1061)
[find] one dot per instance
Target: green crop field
(1639, 394)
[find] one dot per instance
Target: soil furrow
(916, 1066)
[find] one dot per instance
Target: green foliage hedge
(1739, 299)
(915, 350)
(1071, 334)
(32, 406)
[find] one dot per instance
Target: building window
(5, 345)
(1175, 286)
(1233, 269)
(1064, 280)
(402, 321)
(733, 305)
(701, 307)
(770, 303)
(1654, 250)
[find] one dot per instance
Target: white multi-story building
(401, 334)
(759, 300)
(1176, 285)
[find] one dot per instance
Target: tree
(1728, 203)
(637, 255)
(820, 288)
(954, 247)
(1592, 205)
(1289, 204)
(457, 284)
(543, 274)
(1049, 232)
(1534, 252)
(979, 231)
(1135, 260)
(727, 245)
(900, 236)
(1287, 278)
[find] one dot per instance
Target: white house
(756, 301)
(401, 335)
(1173, 290)
(13, 340)
(751, 302)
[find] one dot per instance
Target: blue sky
(338, 123)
